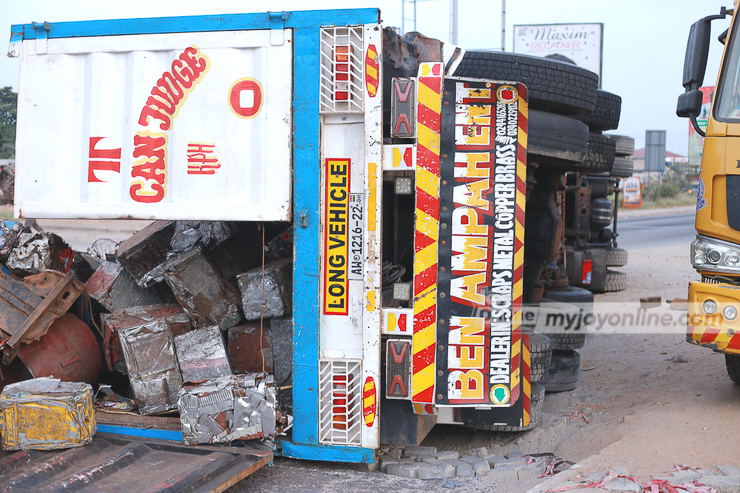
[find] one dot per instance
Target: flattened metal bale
(201, 291)
(201, 354)
(37, 252)
(115, 289)
(149, 351)
(207, 233)
(119, 320)
(45, 413)
(240, 407)
(275, 299)
(145, 251)
(10, 232)
(246, 351)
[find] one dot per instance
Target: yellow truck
(714, 302)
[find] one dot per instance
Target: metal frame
(306, 27)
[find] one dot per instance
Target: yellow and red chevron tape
(520, 369)
(429, 107)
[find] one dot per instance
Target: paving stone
(512, 463)
(419, 451)
(728, 470)
(531, 471)
(403, 470)
(481, 452)
(429, 471)
(480, 466)
(503, 474)
(723, 484)
(493, 460)
(595, 477)
(680, 477)
(514, 454)
(622, 485)
(462, 469)
(385, 462)
(431, 460)
(448, 455)
(620, 470)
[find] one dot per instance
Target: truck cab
(714, 301)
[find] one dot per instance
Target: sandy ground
(635, 407)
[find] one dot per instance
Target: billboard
(580, 44)
(696, 141)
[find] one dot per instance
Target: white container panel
(221, 150)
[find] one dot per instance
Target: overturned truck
(367, 224)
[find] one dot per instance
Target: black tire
(616, 257)
(575, 336)
(567, 340)
(599, 154)
(556, 139)
(540, 352)
(564, 369)
(623, 167)
(615, 281)
(606, 112)
(732, 362)
(475, 419)
(573, 295)
(624, 146)
(552, 85)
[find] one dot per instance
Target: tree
(8, 106)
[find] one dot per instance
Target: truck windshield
(728, 103)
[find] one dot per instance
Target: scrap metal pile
(188, 317)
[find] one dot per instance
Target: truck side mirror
(694, 66)
(689, 103)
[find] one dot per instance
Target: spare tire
(623, 145)
(599, 154)
(556, 139)
(606, 112)
(623, 167)
(564, 370)
(552, 85)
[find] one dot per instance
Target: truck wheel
(622, 167)
(567, 340)
(573, 295)
(616, 257)
(552, 85)
(615, 281)
(599, 154)
(571, 336)
(556, 139)
(606, 112)
(478, 420)
(540, 351)
(564, 369)
(623, 146)
(732, 361)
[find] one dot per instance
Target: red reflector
(586, 268)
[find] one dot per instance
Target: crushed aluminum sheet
(202, 354)
(240, 407)
(155, 377)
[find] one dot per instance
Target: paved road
(636, 233)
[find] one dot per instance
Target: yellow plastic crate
(45, 413)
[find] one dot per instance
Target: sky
(644, 40)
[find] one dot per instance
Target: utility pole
(503, 25)
(453, 22)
